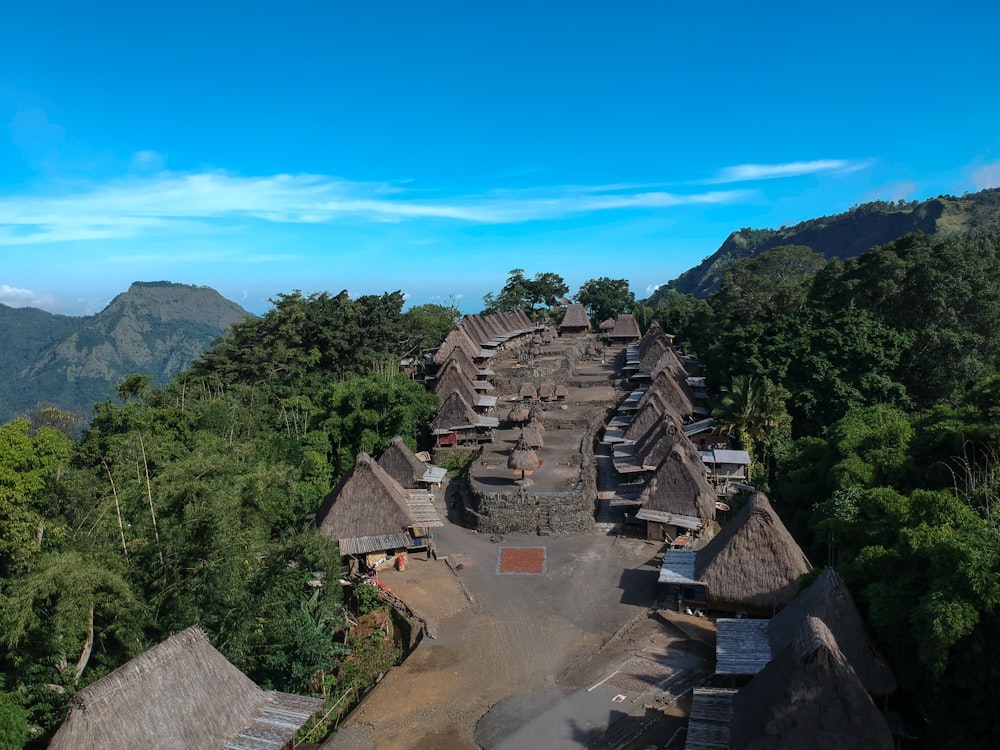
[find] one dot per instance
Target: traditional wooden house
(373, 518)
(403, 465)
(546, 391)
(575, 322)
(181, 693)
(626, 330)
(808, 696)
(677, 501)
(460, 358)
(607, 325)
(726, 467)
(453, 380)
(753, 565)
(561, 392)
(457, 422)
(457, 337)
(528, 391)
(678, 400)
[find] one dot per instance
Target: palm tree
(750, 409)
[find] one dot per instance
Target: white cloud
(143, 205)
(753, 172)
(652, 288)
(147, 161)
(14, 297)
(987, 176)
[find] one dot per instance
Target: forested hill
(844, 235)
(155, 328)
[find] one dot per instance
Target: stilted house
(457, 337)
(458, 423)
(753, 565)
(373, 518)
(575, 322)
(182, 693)
(677, 502)
(626, 331)
(403, 465)
(452, 380)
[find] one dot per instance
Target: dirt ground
(579, 656)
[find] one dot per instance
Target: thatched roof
(455, 413)
(658, 442)
(649, 415)
(546, 391)
(828, 599)
(402, 464)
(453, 380)
(459, 337)
(652, 333)
(366, 503)
(463, 360)
(678, 401)
(473, 325)
(672, 363)
(607, 325)
(575, 319)
(561, 391)
(181, 693)
(522, 457)
(679, 485)
(532, 435)
(808, 697)
(653, 353)
(626, 328)
(517, 414)
(753, 565)
(536, 413)
(528, 390)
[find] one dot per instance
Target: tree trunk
(88, 647)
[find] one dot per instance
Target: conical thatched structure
(575, 321)
(457, 337)
(679, 487)
(367, 511)
(402, 464)
(181, 693)
(528, 391)
(536, 413)
(808, 696)
(522, 458)
(828, 599)
(754, 564)
(607, 325)
(532, 435)
(672, 363)
(517, 415)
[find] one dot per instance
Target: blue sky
(431, 147)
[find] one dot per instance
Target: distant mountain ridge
(155, 328)
(844, 235)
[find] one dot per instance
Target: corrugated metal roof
(708, 722)
(741, 646)
(660, 516)
(367, 544)
(421, 507)
(678, 567)
(281, 717)
(731, 457)
(434, 474)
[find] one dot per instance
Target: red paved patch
(523, 561)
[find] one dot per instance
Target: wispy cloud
(15, 297)
(166, 201)
(754, 172)
(987, 176)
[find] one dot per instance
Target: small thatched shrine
(808, 696)
(753, 565)
(371, 516)
(522, 457)
(626, 330)
(181, 693)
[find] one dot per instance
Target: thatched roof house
(528, 391)
(452, 379)
(456, 418)
(808, 697)
(402, 464)
(457, 337)
(678, 494)
(753, 565)
(575, 321)
(679, 401)
(369, 511)
(828, 599)
(649, 415)
(607, 325)
(626, 330)
(181, 693)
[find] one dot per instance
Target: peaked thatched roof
(653, 353)
(671, 362)
(808, 697)
(367, 502)
(528, 390)
(402, 464)
(753, 565)
(459, 337)
(679, 485)
(522, 456)
(626, 328)
(181, 693)
(452, 380)
(517, 414)
(649, 415)
(455, 412)
(658, 442)
(532, 435)
(828, 599)
(473, 326)
(678, 402)
(561, 391)
(607, 325)
(575, 319)
(652, 333)
(463, 361)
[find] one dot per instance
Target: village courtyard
(538, 640)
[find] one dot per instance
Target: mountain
(155, 328)
(844, 235)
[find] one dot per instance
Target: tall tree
(605, 298)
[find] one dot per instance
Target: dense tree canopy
(605, 298)
(522, 293)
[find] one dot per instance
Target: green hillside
(845, 235)
(155, 328)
